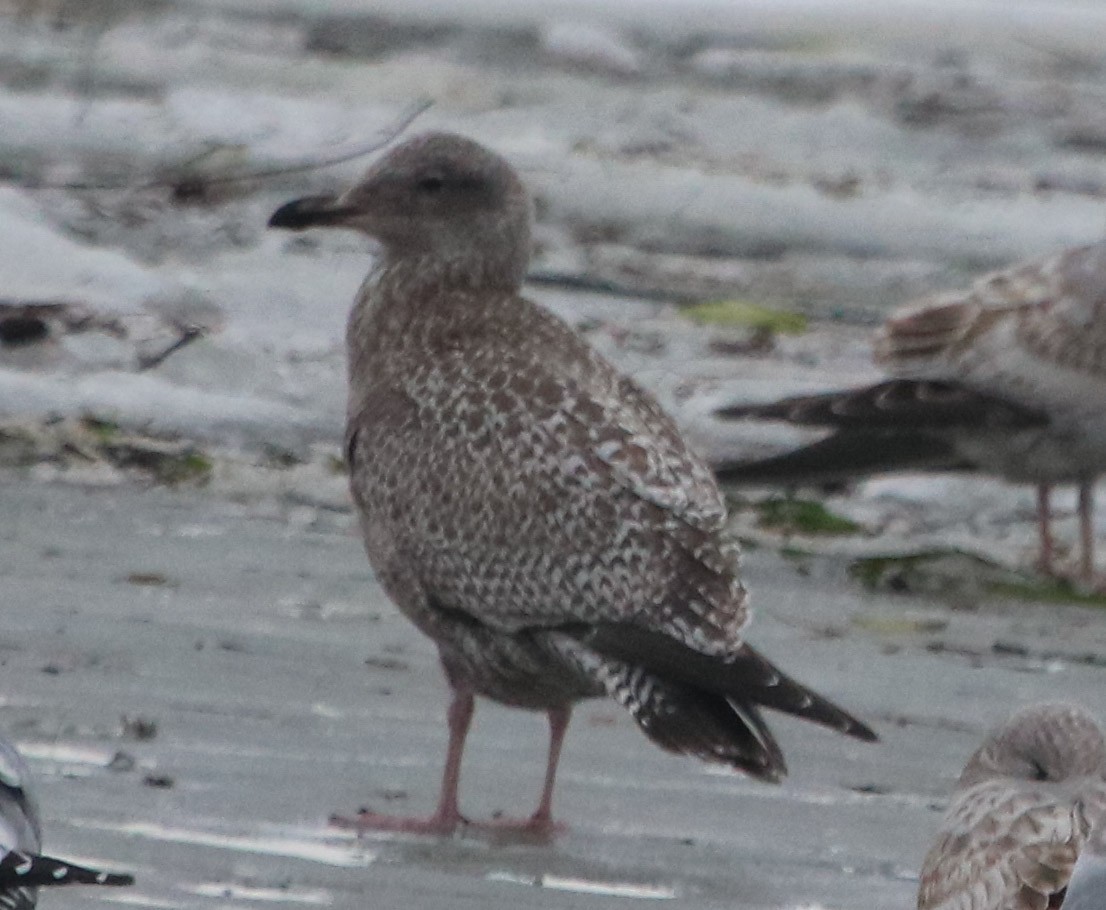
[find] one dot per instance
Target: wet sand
(284, 687)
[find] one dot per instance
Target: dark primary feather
(744, 675)
(704, 705)
(19, 869)
(902, 404)
(899, 425)
(18, 898)
(845, 456)
(693, 721)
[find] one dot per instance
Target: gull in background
(1007, 377)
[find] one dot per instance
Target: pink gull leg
(447, 816)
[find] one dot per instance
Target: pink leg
(1044, 529)
(447, 816)
(1086, 531)
(541, 822)
(558, 724)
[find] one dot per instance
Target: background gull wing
(939, 328)
(1007, 328)
(898, 404)
(901, 424)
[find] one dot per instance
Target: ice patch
(587, 886)
(130, 898)
(65, 753)
(346, 855)
(192, 532)
(40, 263)
(327, 711)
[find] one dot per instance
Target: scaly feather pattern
(517, 495)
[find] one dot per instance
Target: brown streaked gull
(23, 867)
(1022, 810)
(1007, 377)
(527, 507)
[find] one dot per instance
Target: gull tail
(705, 706)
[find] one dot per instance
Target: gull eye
(430, 184)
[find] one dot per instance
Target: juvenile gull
(1007, 377)
(531, 510)
(23, 870)
(1022, 811)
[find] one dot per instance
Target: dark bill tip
(860, 731)
(309, 211)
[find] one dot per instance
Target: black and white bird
(530, 509)
(23, 867)
(1007, 377)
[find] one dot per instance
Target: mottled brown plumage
(526, 506)
(1023, 808)
(1007, 376)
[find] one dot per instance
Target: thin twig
(187, 336)
(381, 138)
